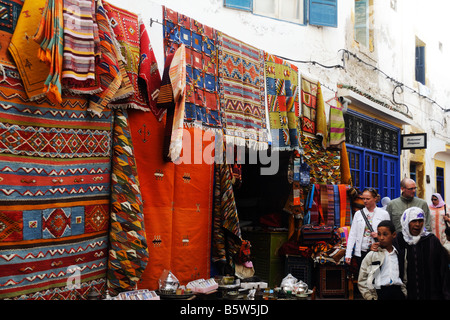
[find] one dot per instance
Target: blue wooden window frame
(319, 12)
(440, 183)
(386, 178)
(246, 5)
(323, 13)
(362, 21)
(420, 64)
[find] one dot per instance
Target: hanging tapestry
(177, 204)
(139, 59)
(337, 123)
(54, 195)
(54, 189)
(49, 36)
(309, 105)
(344, 206)
(149, 77)
(241, 87)
(81, 47)
(325, 164)
(321, 119)
(108, 69)
(177, 75)
(226, 230)
(202, 108)
(128, 253)
(24, 50)
(282, 100)
(346, 175)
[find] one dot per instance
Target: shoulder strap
(366, 220)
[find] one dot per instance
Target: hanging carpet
(325, 164)
(309, 106)
(128, 253)
(54, 188)
(242, 94)
(177, 203)
(283, 105)
(139, 62)
(202, 108)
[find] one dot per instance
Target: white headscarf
(385, 201)
(413, 213)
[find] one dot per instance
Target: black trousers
(390, 293)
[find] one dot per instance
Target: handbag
(314, 233)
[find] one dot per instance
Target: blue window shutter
(420, 64)
(246, 5)
(323, 13)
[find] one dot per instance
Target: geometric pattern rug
(54, 189)
(241, 87)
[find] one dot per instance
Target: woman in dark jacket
(426, 260)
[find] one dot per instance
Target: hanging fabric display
(304, 172)
(242, 94)
(54, 196)
(107, 69)
(177, 74)
(309, 106)
(128, 253)
(49, 36)
(137, 55)
(25, 51)
(202, 107)
(81, 47)
(321, 118)
(283, 105)
(336, 123)
(226, 230)
(326, 163)
(178, 201)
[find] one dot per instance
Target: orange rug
(178, 203)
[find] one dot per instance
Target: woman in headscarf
(384, 202)
(425, 258)
(438, 211)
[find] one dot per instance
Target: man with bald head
(407, 199)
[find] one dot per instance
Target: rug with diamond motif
(242, 95)
(54, 188)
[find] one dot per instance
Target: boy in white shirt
(379, 273)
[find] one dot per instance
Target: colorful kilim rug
(128, 253)
(321, 118)
(337, 123)
(24, 50)
(149, 76)
(202, 108)
(178, 204)
(242, 94)
(283, 105)
(226, 230)
(55, 166)
(50, 37)
(309, 106)
(54, 194)
(326, 163)
(107, 69)
(81, 47)
(136, 49)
